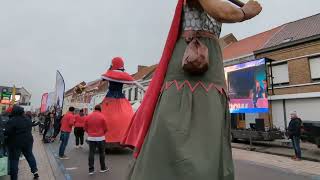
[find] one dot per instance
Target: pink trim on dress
(199, 84)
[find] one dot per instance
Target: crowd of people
(94, 125)
(115, 112)
(19, 139)
(49, 126)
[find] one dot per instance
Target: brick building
(81, 95)
(295, 51)
(22, 97)
(242, 51)
(143, 76)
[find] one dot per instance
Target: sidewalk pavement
(308, 168)
(283, 148)
(43, 162)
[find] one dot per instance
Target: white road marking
(71, 168)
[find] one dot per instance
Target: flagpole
(13, 100)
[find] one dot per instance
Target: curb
(259, 143)
(60, 171)
(57, 172)
(277, 154)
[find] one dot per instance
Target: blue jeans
(64, 137)
(14, 154)
(296, 146)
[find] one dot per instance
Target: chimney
(227, 40)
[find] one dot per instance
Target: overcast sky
(79, 37)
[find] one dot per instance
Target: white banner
(51, 101)
(59, 93)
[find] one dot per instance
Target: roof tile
(296, 30)
(144, 71)
(248, 45)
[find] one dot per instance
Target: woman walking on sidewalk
(20, 140)
(182, 128)
(79, 128)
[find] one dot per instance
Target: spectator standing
(96, 128)
(42, 119)
(79, 128)
(20, 140)
(66, 127)
(294, 131)
(48, 128)
(57, 126)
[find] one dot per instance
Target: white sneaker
(63, 157)
(91, 173)
(77, 147)
(105, 170)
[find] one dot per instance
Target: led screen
(247, 87)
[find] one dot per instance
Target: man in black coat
(20, 140)
(57, 126)
(294, 131)
(3, 121)
(4, 118)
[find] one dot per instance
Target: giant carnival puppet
(182, 128)
(116, 108)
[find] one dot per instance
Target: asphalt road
(77, 167)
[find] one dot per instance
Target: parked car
(311, 132)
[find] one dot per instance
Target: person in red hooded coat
(115, 107)
(79, 121)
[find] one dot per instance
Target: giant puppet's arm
(227, 13)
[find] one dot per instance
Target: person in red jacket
(96, 128)
(79, 128)
(66, 128)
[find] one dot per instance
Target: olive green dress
(189, 138)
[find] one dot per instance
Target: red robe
(140, 124)
(118, 112)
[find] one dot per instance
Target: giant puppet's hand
(225, 12)
(251, 9)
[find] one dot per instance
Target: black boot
(35, 175)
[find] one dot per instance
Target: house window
(280, 74)
(130, 92)
(136, 94)
(125, 93)
(23, 100)
(315, 68)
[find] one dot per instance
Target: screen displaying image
(247, 87)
